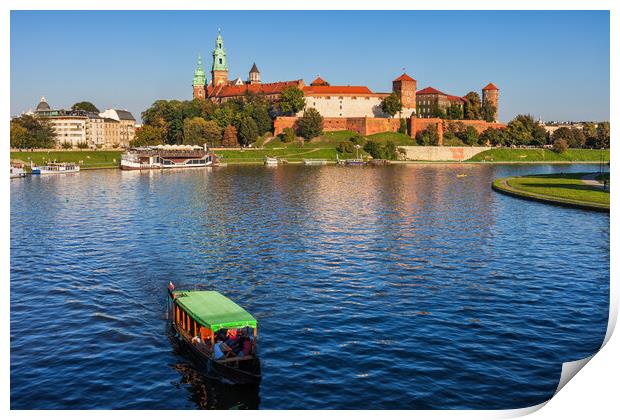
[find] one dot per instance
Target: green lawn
(566, 187)
(90, 158)
(540, 155)
(399, 139)
(292, 154)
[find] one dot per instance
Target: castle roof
(319, 82)
(490, 86)
(404, 77)
(224, 91)
(334, 90)
(456, 98)
(254, 69)
(430, 91)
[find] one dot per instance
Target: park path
(590, 179)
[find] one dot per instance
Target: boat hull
(132, 166)
(248, 372)
(38, 171)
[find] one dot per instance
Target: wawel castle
(331, 101)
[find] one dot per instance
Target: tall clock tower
(219, 71)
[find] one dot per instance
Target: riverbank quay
(569, 190)
(87, 159)
(540, 155)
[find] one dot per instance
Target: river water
(388, 287)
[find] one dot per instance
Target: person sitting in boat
(246, 347)
(221, 350)
(197, 341)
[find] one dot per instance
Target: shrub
(82, 145)
(66, 145)
(428, 136)
(345, 147)
(357, 139)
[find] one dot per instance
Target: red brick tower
(490, 94)
(405, 86)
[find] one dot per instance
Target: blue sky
(553, 64)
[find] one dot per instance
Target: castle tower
(490, 93)
(406, 86)
(200, 79)
(219, 71)
(254, 78)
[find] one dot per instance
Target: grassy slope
(90, 158)
(398, 138)
(539, 155)
(566, 186)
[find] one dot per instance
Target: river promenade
(577, 190)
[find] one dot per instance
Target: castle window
(220, 61)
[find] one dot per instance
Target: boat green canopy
(213, 310)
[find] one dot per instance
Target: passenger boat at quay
(219, 335)
(17, 171)
(55, 168)
(168, 156)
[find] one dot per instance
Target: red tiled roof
(456, 98)
(430, 91)
(334, 90)
(490, 86)
(318, 82)
(404, 77)
(265, 88)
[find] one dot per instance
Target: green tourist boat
(217, 333)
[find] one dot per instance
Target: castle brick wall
(367, 126)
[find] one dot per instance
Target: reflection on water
(388, 287)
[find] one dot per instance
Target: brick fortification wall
(367, 126)
(364, 125)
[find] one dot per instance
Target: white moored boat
(271, 161)
(315, 162)
(167, 157)
(17, 171)
(55, 168)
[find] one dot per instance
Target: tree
(492, 137)
(292, 100)
(603, 135)
(148, 136)
(223, 116)
(39, 133)
(345, 147)
(230, 137)
(402, 129)
(488, 111)
(454, 112)
(287, 135)
(261, 116)
(560, 145)
(19, 135)
(428, 136)
(565, 134)
(391, 104)
(248, 131)
(589, 131)
(472, 106)
(373, 149)
(310, 125)
(471, 136)
(85, 106)
(198, 131)
(578, 138)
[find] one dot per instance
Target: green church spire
(219, 55)
(200, 78)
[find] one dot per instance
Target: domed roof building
(43, 105)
